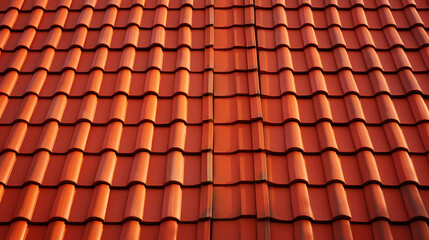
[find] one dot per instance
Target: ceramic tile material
(214, 120)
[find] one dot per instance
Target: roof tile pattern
(202, 119)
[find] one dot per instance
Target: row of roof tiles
(226, 38)
(79, 4)
(152, 205)
(224, 60)
(167, 85)
(229, 138)
(244, 228)
(154, 170)
(165, 111)
(84, 61)
(221, 18)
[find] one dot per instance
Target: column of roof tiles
(348, 84)
(404, 166)
(28, 197)
(239, 160)
(420, 112)
(392, 129)
(301, 212)
(286, 43)
(90, 140)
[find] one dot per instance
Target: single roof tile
(395, 136)
(371, 59)
(106, 167)
(80, 135)
(317, 81)
(27, 201)
(177, 139)
(135, 202)
(228, 17)
(85, 17)
(105, 36)
(312, 58)
(112, 136)
(18, 59)
(300, 201)
(99, 200)
(279, 16)
(185, 16)
(175, 167)
(27, 38)
(326, 136)
(7, 161)
(405, 170)
(10, 18)
(139, 167)
(367, 166)
(321, 107)
(375, 201)
(171, 202)
(283, 58)
(16, 137)
(353, 108)
(360, 136)
(48, 137)
(258, 138)
(292, 136)
(420, 35)
(386, 107)
(142, 141)
(332, 167)
(56, 229)
(168, 230)
(338, 201)
(306, 16)
(16, 4)
(35, 18)
(17, 229)
(72, 59)
(63, 202)
(418, 107)
(72, 167)
(289, 107)
(413, 16)
(183, 58)
(341, 58)
(127, 58)
(332, 16)
(185, 37)
(386, 17)
(419, 229)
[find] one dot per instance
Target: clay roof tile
(213, 119)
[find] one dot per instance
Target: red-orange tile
(233, 138)
(197, 119)
(229, 110)
(234, 168)
(234, 201)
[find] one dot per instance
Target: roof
(203, 119)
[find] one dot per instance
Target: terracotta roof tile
(194, 119)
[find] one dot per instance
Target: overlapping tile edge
(305, 218)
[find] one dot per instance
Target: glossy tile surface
(203, 119)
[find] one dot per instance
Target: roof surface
(214, 119)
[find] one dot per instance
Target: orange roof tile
(203, 119)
